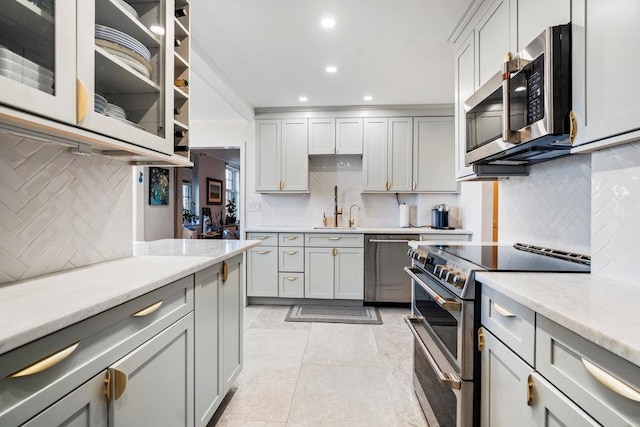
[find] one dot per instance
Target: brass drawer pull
(291, 279)
(119, 379)
(530, 390)
(263, 252)
(292, 237)
(47, 362)
(147, 311)
(502, 311)
(261, 237)
(292, 252)
(335, 238)
(225, 271)
(480, 339)
(611, 382)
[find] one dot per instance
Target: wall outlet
(254, 207)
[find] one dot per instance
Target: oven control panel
(447, 271)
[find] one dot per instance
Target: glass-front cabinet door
(123, 71)
(38, 57)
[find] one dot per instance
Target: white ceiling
(271, 52)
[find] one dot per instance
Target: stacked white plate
(124, 40)
(116, 111)
(131, 59)
(128, 8)
(99, 103)
(22, 70)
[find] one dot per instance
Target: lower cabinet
(504, 390)
(86, 406)
(334, 273)
(218, 335)
(262, 272)
(158, 381)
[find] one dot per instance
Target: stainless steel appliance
(446, 316)
(522, 115)
(384, 260)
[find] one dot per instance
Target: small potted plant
(189, 217)
(231, 211)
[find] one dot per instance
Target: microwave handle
(506, 106)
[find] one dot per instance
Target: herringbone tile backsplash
(60, 211)
(615, 231)
(551, 207)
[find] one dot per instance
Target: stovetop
(453, 265)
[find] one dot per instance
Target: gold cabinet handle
(263, 252)
(480, 339)
(82, 99)
(530, 390)
(413, 187)
(573, 125)
(388, 185)
(611, 382)
(335, 238)
(502, 311)
(281, 185)
(147, 311)
(334, 251)
(47, 362)
(225, 271)
(292, 252)
(291, 279)
(292, 237)
(119, 380)
(261, 237)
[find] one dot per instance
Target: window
(231, 185)
(187, 196)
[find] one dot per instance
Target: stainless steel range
(446, 316)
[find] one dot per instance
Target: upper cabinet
(494, 38)
(335, 136)
(387, 154)
(282, 162)
(605, 95)
(105, 66)
(465, 67)
(433, 155)
(38, 57)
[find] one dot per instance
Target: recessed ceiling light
(331, 69)
(368, 98)
(157, 29)
(328, 23)
(303, 99)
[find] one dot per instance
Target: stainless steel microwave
(522, 115)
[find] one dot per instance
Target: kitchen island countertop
(33, 308)
(601, 310)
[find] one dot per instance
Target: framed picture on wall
(159, 186)
(214, 191)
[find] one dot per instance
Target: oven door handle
(447, 379)
(446, 303)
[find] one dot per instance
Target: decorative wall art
(159, 186)
(214, 191)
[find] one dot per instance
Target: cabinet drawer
(291, 285)
(581, 369)
(511, 322)
(334, 240)
(101, 340)
(267, 239)
(291, 259)
(291, 239)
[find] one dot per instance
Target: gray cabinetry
(465, 86)
(159, 380)
(262, 266)
(230, 315)
(433, 155)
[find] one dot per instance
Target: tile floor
(322, 374)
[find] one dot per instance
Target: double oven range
(446, 316)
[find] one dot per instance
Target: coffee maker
(440, 217)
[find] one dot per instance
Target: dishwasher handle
(388, 241)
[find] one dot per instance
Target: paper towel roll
(404, 215)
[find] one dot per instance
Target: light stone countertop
(354, 230)
(33, 308)
(601, 310)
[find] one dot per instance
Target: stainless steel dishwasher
(385, 256)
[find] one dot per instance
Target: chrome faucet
(336, 212)
(352, 222)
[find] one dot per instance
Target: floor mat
(334, 314)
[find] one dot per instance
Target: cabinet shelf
(179, 94)
(113, 76)
(179, 62)
(113, 15)
(177, 125)
(29, 27)
(180, 30)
